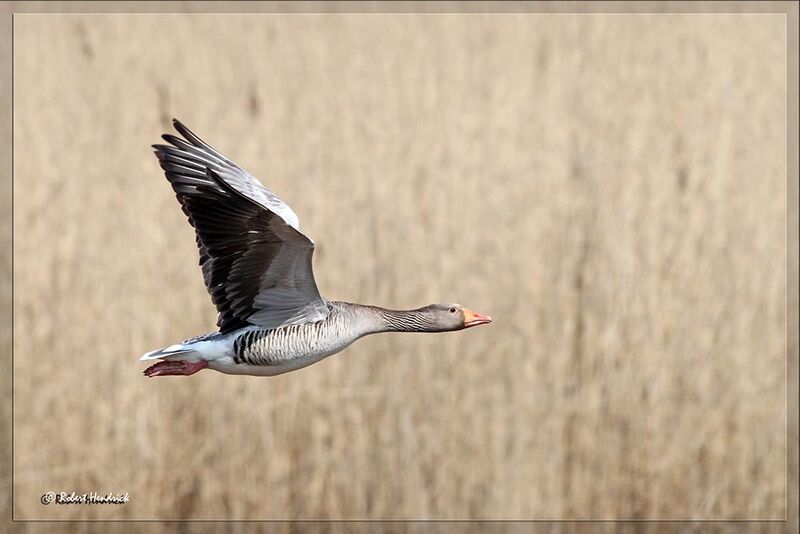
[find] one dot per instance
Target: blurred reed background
(610, 188)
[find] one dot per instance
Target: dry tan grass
(611, 189)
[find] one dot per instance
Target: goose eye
(452, 310)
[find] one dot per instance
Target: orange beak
(472, 318)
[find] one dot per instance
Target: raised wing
(256, 263)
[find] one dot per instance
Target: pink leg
(175, 367)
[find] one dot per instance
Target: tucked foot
(175, 367)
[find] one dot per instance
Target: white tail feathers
(172, 350)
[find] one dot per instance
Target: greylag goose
(257, 268)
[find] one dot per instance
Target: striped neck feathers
(425, 319)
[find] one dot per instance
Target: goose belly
(272, 352)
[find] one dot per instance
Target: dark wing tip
(183, 130)
(187, 133)
(160, 150)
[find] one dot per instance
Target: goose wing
(256, 263)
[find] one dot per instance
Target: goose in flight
(257, 268)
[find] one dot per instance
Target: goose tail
(167, 352)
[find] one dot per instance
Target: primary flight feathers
(256, 263)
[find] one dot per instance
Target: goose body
(257, 268)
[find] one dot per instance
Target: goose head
(449, 317)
